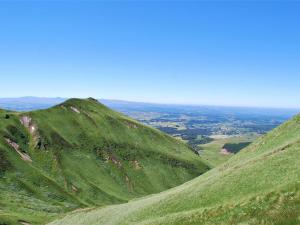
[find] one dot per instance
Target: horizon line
(164, 103)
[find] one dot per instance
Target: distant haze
(34, 103)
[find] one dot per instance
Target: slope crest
(83, 154)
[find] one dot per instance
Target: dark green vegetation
(221, 149)
(235, 147)
(258, 185)
(81, 154)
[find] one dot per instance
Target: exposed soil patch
(74, 189)
(27, 122)
(75, 109)
(16, 147)
(115, 161)
(224, 151)
(136, 165)
(32, 127)
(24, 222)
(109, 157)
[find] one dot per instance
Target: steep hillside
(81, 154)
(259, 185)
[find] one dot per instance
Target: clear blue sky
(221, 53)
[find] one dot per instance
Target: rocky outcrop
(16, 147)
(75, 109)
(27, 122)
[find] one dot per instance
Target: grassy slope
(259, 185)
(92, 158)
(211, 152)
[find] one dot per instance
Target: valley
(258, 185)
(152, 112)
(79, 162)
(204, 128)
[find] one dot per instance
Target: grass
(84, 155)
(211, 152)
(259, 185)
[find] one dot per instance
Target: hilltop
(81, 154)
(259, 185)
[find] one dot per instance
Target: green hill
(81, 154)
(259, 185)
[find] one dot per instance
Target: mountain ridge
(80, 154)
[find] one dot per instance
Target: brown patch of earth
(75, 109)
(24, 222)
(16, 147)
(224, 151)
(136, 165)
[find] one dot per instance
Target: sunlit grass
(84, 155)
(259, 185)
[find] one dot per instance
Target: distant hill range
(34, 103)
(29, 103)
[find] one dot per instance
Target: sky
(191, 52)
